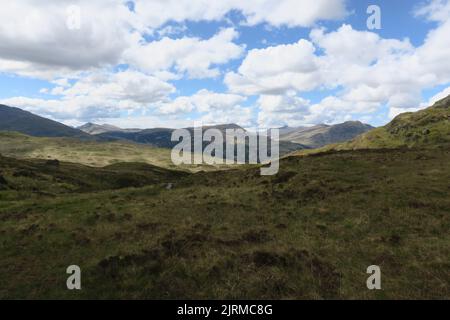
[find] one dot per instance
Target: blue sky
(223, 63)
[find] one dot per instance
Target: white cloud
(285, 103)
(434, 10)
(242, 116)
(239, 115)
(104, 97)
(276, 70)
(202, 101)
(367, 70)
(439, 96)
(131, 86)
(279, 110)
(36, 41)
(100, 94)
(172, 30)
(301, 13)
(193, 56)
(32, 28)
(145, 122)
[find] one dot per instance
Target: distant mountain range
(291, 139)
(157, 137)
(161, 137)
(15, 119)
(322, 134)
(92, 128)
(230, 225)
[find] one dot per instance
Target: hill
(309, 232)
(158, 137)
(92, 128)
(428, 128)
(15, 119)
(321, 135)
(161, 137)
(91, 153)
(31, 178)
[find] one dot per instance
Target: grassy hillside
(23, 178)
(91, 153)
(309, 232)
(426, 128)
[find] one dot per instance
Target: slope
(15, 119)
(321, 135)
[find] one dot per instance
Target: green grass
(425, 128)
(309, 232)
(90, 153)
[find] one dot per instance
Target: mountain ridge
(322, 134)
(15, 119)
(429, 127)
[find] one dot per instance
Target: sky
(257, 63)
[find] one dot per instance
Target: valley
(150, 231)
(308, 233)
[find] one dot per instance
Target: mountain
(15, 119)
(287, 130)
(427, 127)
(94, 129)
(321, 135)
(157, 137)
(287, 236)
(18, 120)
(161, 137)
(91, 153)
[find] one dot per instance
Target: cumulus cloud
(434, 10)
(132, 86)
(36, 40)
(110, 27)
(98, 95)
(192, 56)
(202, 101)
(301, 13)
(361, 70)
(366, 70)
(277, 69)
(144, 99)
(279, 110)
(349, 56)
